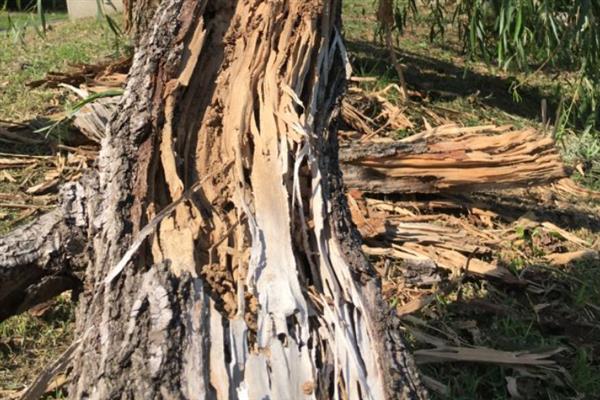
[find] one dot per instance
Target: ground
(31, 59)
(546, 308)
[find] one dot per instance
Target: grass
(567, 310)
(22, 61)
(28, 343)
(564, 308)
(66, 43)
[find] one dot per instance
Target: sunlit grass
(66, 43)
(29, 343)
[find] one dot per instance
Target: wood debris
(34, 180)
(17, 162)
(558, 259)
(452, 158)
(92, 119)
(425, 237)
(571, 189)
(109, 73)
(486, 355)
(386, 116)
(452, 246)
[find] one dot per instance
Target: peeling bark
(254, 286)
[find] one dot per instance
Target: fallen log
(45, 257)
(451, 159)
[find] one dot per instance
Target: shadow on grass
(441, 79)
(511, 318)
(33, 138)
(510, 207)
(547, 308)
(570, 218)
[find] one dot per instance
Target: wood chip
(485, 355)
(559, 259)
(43, 187)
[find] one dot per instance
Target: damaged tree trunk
(445, 159)
(225, 263)
(452, 159)
(138, 17)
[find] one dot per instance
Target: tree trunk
(225, 262)
(138, 17)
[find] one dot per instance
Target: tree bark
(225, 263)
(138, 17)
(46, 257)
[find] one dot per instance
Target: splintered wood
(417, 239)
(452, 158)
(443, 159)
(107, 74)
(443, 240)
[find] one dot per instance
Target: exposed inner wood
(444, 159)
(254, 286)
(451, 158)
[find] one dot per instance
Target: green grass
(471, 93)
(584, 149)
(29, 343)
(563, 312)
(31, 58)
(569, 319)
(20, 20)
(66, 43)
